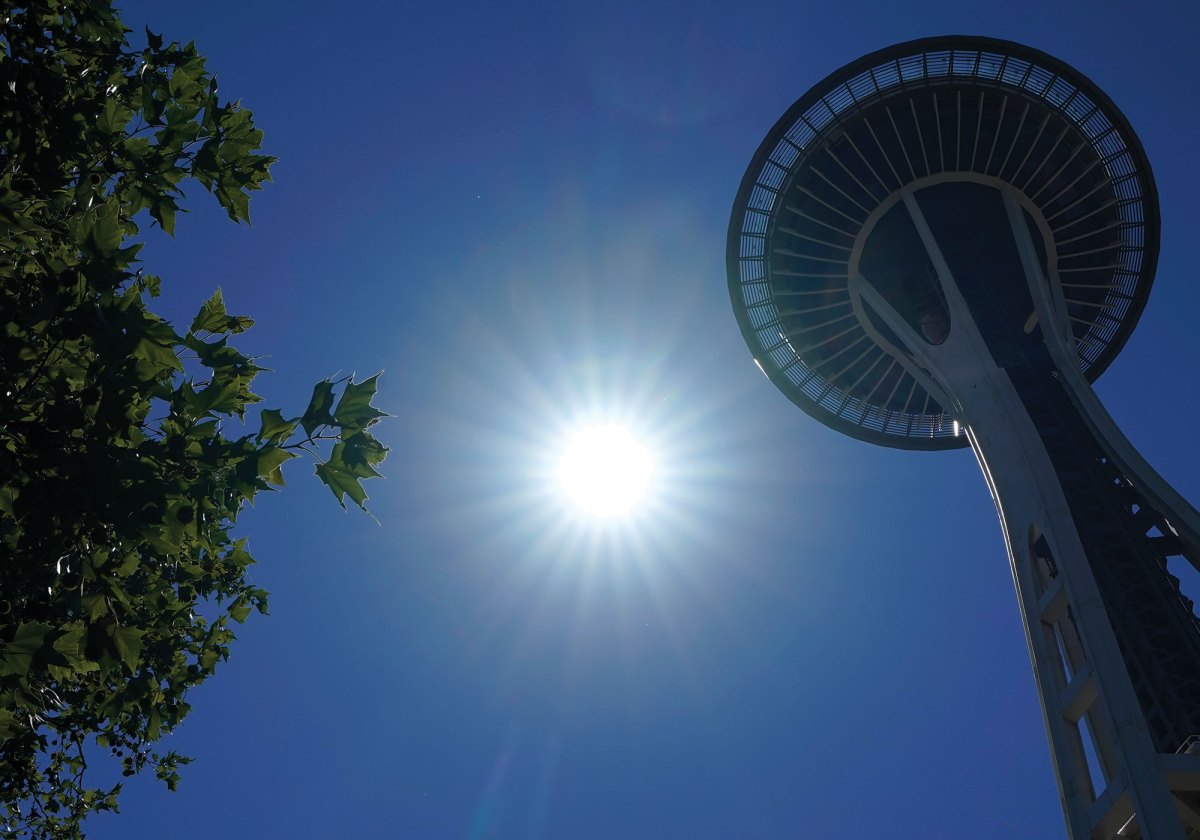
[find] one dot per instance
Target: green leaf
(357, 455)
(10, 727)
(235, 202)
(129, 563)
(214, 318)
(238, 555)
(163, 212)
(160, 356)
(354, 410)
(96, 606)
(343, 482)
(8, 495)
(128, 642)
(219, 397)
(317, 413)
(115, 116)
(208, 660)
(361, 449)
(17, 657)
(275, 429)
(103, 230)
(212, 315)
(270, 461)
(239, 610)
(71, 643)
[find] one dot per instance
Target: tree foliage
(122, 469)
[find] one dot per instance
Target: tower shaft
(949, 277)
(944, 242)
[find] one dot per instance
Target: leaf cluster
(119, 484)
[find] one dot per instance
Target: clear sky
(518, 211)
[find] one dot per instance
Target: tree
(122, 472)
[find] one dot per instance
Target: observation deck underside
(918, 114)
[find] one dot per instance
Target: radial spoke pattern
(931, 108)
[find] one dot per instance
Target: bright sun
(604, 470)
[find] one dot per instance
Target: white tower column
(1112, 779)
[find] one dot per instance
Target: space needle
(941, 245)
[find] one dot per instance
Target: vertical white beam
(1025, 486)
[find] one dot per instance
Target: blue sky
(518, 211)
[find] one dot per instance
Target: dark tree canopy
(123, 466)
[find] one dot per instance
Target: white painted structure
(945, 242)
(1089, 704)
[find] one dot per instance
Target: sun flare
(605, 471)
